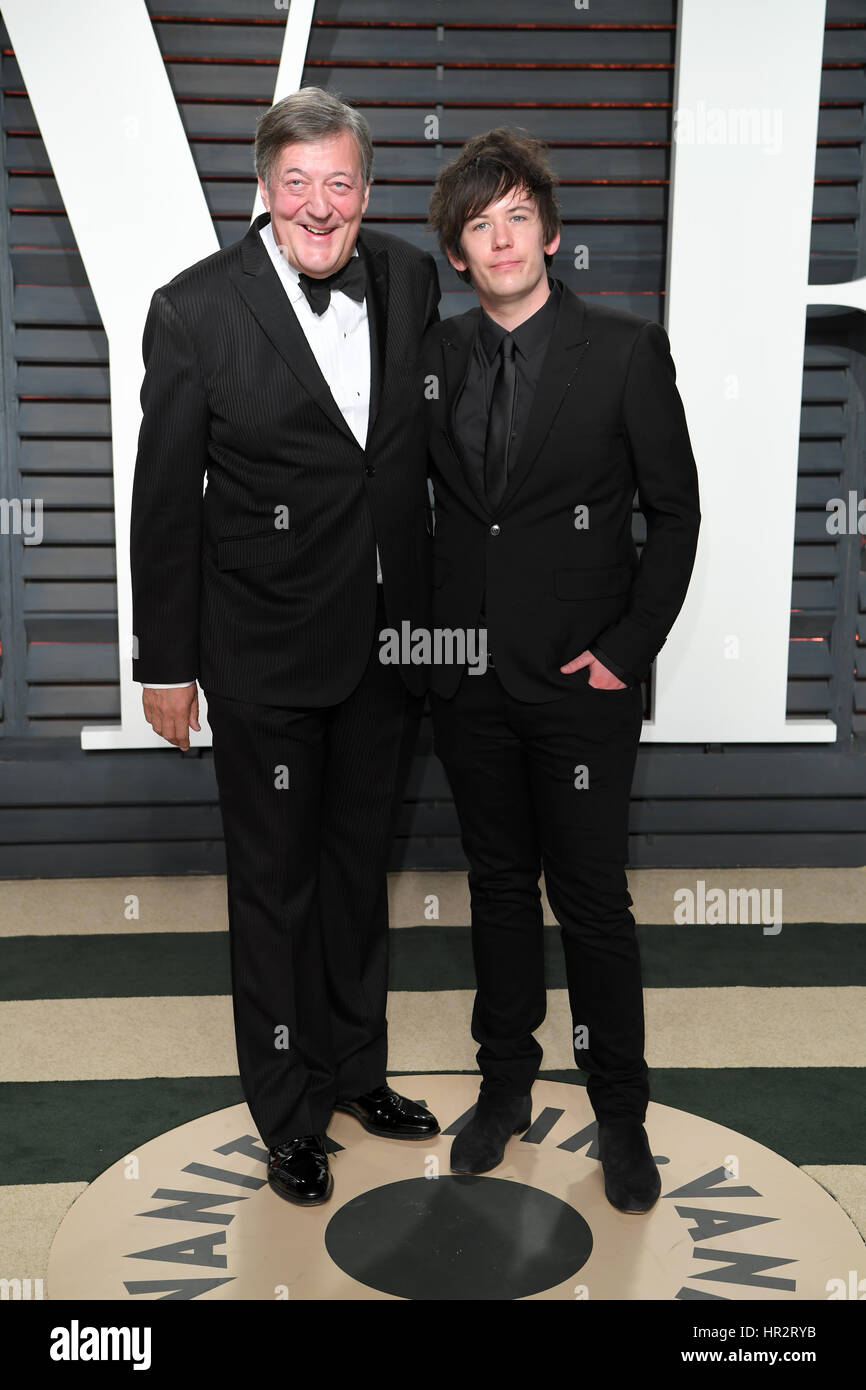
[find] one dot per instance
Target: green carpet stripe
(110, 967)
(673, 957)
(72, 1131)
(429, 958)
(809, 1115)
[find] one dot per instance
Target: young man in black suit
(284, 369)
(546, 413)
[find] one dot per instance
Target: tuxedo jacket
(259, 611)
(555, 564)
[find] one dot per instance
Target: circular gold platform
(190, 1215)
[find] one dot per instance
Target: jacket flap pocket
(592, 583)
(238, 552)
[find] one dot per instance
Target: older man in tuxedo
(283, 370)
(551, 411)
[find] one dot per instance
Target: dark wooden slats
(637, 13)
(393, 45)
(233, 159)
(565, 126)
(610, 135)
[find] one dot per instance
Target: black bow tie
(351, 279)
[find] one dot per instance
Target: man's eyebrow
(344, 173)
(512, 207)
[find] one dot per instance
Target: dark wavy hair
(488, 167)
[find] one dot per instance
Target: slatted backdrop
(597, 85)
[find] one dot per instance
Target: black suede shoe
(480, 1145)
(298, 1170)
(631, 1178)
(390, 1116)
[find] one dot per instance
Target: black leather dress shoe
(480, 1145)
(631, 1178)
(298, 1170)
(390, 1116)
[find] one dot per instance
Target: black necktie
(499, 424)
(351, 279)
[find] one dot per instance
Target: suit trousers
(309, 800)
(547, 786)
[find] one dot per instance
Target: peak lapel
(262, 289)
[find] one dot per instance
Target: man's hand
(172, 713)
(599, 676)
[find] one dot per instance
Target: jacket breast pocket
(603, 582)
(240, 552)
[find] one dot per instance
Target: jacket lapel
(568, 343)
(263, 291)
(381, 330)
(457, 345)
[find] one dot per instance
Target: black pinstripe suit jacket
(273, 613)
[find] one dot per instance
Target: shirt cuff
(166, 685)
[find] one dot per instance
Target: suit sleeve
(667, 485)
(611, 665)
(166, 518)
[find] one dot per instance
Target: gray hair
(310, 114)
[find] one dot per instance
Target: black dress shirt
(472, 406)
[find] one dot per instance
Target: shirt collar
(529, 336)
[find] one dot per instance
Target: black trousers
(548, 786)
(309, 800)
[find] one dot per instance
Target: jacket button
(494, 530)
(369, 470)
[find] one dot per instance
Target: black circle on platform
(458, 1237)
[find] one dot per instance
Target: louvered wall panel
(602, 99)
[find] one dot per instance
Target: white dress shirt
(340, 342)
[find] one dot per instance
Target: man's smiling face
(316, 198)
